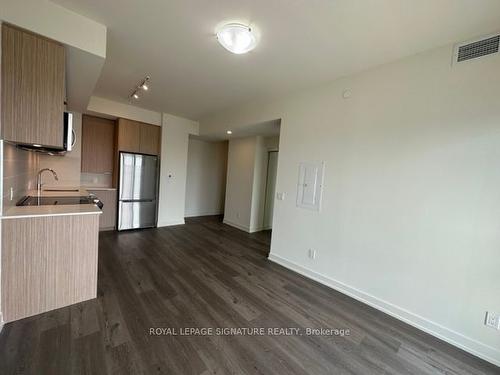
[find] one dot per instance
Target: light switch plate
(312, 253)
(492, 320)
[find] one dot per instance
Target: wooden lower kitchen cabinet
(48, 262)
(108, 198)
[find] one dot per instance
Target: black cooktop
(50, 201)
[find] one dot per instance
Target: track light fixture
(141, 86)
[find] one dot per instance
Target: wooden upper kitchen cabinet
(138, 137)
(150, 139)
(33, 90)
(129, 135)
(134, 136)
(98, 141)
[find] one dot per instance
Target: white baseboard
(468, 344)
(242, 227)
(237, 226)
(169, 223)
(206, 213)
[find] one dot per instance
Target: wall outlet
(492, 320)
(280, 196)
(312, 254)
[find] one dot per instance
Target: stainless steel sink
(51, 201)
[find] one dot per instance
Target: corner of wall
(170, 223)
(237, 226)
(173, 168)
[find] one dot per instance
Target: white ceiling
(303, 43)
(266, 129)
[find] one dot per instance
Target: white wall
(108, 107)
(206, 178)
(410, 219)
(173, 173)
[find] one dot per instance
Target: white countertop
(52, 210)
(17, 212)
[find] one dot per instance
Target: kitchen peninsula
(49, 256)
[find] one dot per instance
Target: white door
(272, 170)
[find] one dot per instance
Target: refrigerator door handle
(137, 200)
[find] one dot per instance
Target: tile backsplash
(19, 173)
(96, 179)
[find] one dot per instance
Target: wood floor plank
(123, 359)
(83, 318)
(55, 352)
(111, 322)
(88, 355)
(208, 275)
(22, 347)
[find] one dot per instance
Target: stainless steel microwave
(69, 139)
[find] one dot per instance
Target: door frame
(267, 185)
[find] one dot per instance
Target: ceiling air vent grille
(477, 49)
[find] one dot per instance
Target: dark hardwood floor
(206, 274)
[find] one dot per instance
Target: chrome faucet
(39, 178)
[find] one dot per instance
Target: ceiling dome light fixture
(237, 38)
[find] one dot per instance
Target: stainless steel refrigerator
(138, 191)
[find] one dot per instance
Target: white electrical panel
(310, 185)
